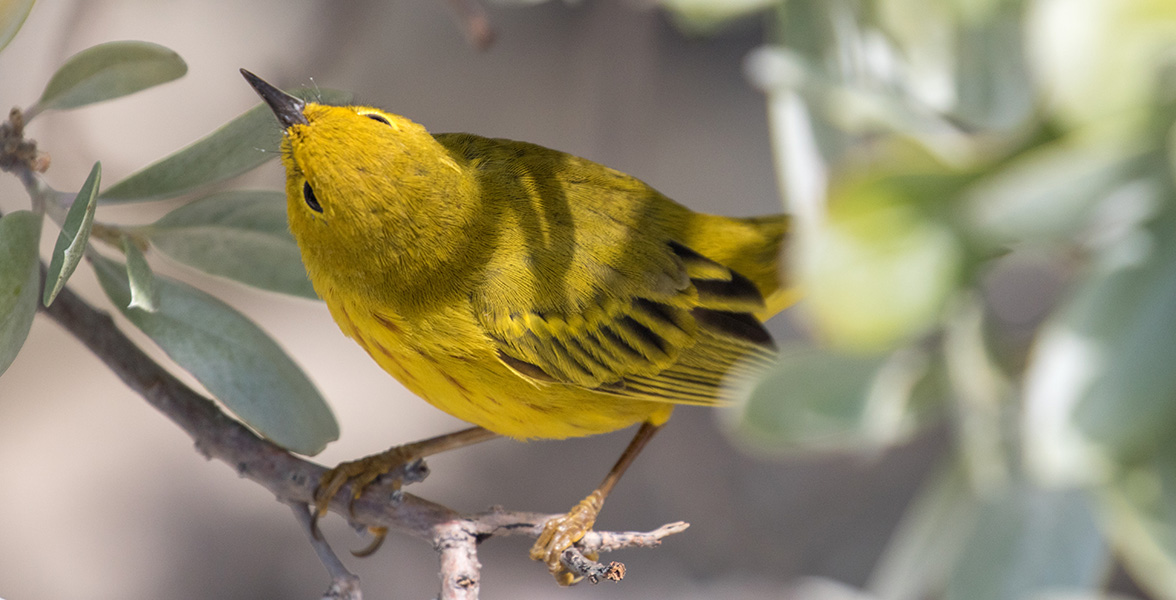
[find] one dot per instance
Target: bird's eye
(311, 201)
(377, 117)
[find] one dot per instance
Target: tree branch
(293, 480)
(460, 568)
(344, 583)
(580, 559)
(218, 436)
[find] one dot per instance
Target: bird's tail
(753, 247)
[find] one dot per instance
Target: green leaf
(857, 103)
(236, 147)
(231, 357)
(993, 84)
(707, 17)
(75, 234)
(1031, 543)
(880, 269)
(1049, 195)
(142, 280)
(1130, 313)
(20, 276)
(826, 400)
(1140, 513)
(1101, 381)
(12, 15)
(108, 71)
(925, 547)
(242, 235)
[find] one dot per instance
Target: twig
(582, 566)
(18, 154)
(218, 436)
(460, 569)
(581, 558)
(607, 541)
(344, 583)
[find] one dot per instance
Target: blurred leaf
(826, 400)
(858, 103)
(925, 547)
(20, 277)
(706, 17)
(1101, 379)
(12, 15)
(1140, 511)
(823, 588)
(231, 357)
(1029, 543)
(142, 280)
(926, 55)
(880, 269)
(994, 90)
(242, 235)
(984, 398)
(965, 58)
(108, 71)
(236, 147)
(1048, 195)
(74, 236)
(1097, 61)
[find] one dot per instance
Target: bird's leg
(361, 473)
(561, 532)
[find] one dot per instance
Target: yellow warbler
(529, 292)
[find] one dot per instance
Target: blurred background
(976, 398)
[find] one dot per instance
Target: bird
(529, 292)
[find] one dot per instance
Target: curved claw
(561, 532)
(379, 534)
(359, 474)
(314, 528)
(329, 485)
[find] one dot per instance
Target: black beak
(287, 108)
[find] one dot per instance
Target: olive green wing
(674, 333)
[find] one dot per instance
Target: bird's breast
(447, 360)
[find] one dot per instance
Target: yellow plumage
(524, 290)
(531, 292)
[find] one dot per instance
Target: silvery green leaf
(1140, 517)
(236, 147)
(823, 399)
(231, 357)
(142, 280)
(1031, 543)
(879, 271)
(75, 234)
(857, 104)
(20, 276)
(926, 545)
(994, 88)
(1050, 194)
(12, 16)
(242, 235)
(1100, 384)
(108, 71)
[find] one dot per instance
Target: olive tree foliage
(985, 238)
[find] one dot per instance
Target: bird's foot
(561, 532)
(360, 474)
